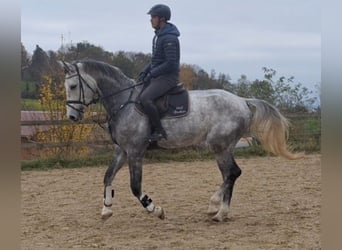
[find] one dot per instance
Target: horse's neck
(114, 95)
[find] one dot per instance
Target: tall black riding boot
(153, 114)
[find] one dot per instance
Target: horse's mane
(102, 69)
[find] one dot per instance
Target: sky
(233, 37)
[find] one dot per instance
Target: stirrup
(157, 136)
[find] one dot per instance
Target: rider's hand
(147, 78)
(142, 76)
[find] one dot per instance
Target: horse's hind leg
(118, 161)
(230, 172)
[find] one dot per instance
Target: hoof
(220, 216)
(106, 213)
(217, 218)
(212, 210)
(159, 212)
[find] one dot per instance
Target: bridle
(81, 100)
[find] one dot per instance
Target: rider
(162, 73)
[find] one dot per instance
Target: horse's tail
(270, 127)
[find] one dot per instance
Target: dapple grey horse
(217, 119)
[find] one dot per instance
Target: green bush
(305, 133)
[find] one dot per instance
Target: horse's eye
(73, 87)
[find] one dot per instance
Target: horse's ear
(66, 66)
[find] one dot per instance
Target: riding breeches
(155, 89)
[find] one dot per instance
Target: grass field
(30, 104)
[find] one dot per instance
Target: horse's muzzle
(73, 118)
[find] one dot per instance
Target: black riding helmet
(160, 10)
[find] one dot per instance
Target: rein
(123, 90)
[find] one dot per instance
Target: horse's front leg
(135, 169)
(118, 161)
(215, 202)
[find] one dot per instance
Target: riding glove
(142, 76)
(147, 78)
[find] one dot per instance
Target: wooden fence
(27, 143)
(36, 125)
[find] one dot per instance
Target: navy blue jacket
(165, 52)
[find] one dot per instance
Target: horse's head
(81, 90)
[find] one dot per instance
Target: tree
(283, 93)
(204, 81)
(224, 81)
(39, 65)
(25, 60)
(242, 87)
(122, 61)
(288, 96)
(187, 75)
(139, 61)
(56, 73)
(83, 50)
(262, 90)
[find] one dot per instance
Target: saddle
(175, 103)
